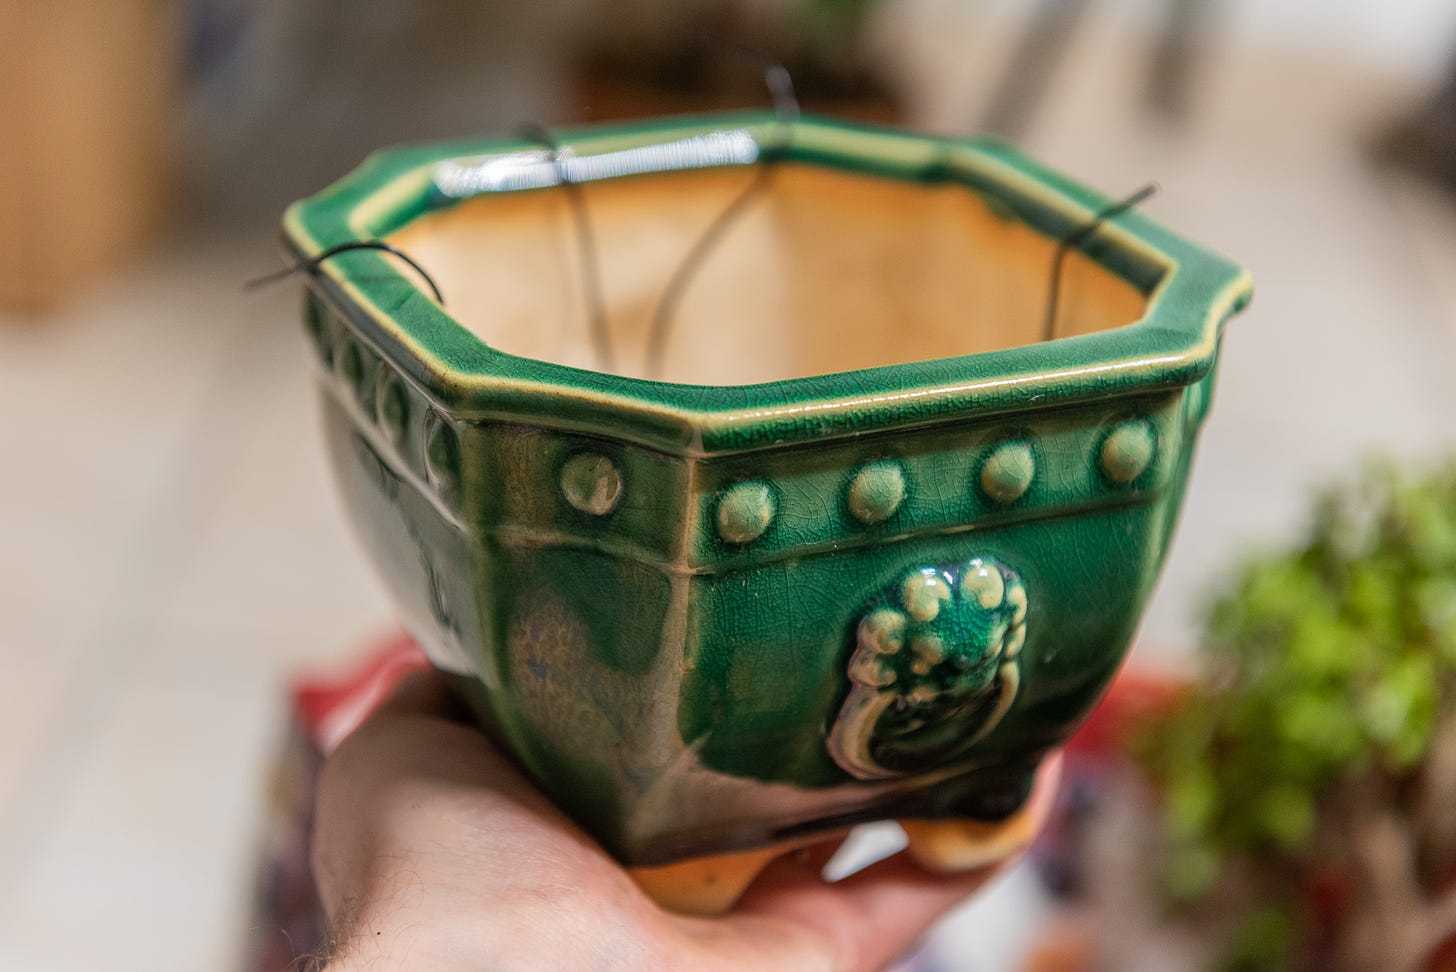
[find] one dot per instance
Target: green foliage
(836, 21)
(1263, 941)
(1328, 666)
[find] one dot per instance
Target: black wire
(677, 285)
(1074, 240)
(780, 84)
(591, 275)
(786, 108)
(311, 265)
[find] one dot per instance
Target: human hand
(433, 853)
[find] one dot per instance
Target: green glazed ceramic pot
(873, 550)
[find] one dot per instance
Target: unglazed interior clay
(822, 271)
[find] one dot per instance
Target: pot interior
(819, 271)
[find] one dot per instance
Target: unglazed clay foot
(964, 845)
(704, 886)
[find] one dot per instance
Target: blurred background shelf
(89, 91)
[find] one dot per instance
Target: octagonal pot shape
(873, 548)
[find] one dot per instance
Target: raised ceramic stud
(1016, 597)
(1127, 451)
(356, 367)
(442, 454)
(351, 368)
(392, 407)
(883, 632)
(929, 651)
(876, 492)
(1008, 472)
(1195, 404)
(367, 387)
(316, 323)
(924, 592)
(1015, 639)
(744, 511)
(591, 483)
(983, 582)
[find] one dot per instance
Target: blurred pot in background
(650, 57)
(283, 97)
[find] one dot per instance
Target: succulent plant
(1317, 768)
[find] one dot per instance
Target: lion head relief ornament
(934, 669)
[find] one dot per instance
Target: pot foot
(710, 886)
(950, 846)
(705, 886)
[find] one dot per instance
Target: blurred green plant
(1310, 786)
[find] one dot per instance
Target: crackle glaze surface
(710, 617)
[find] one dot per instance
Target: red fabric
(1134, 698)
(329, 707)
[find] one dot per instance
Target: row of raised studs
(592, 483)
(376, 388)
(746, 509)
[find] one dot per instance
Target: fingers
(378, 788)
(415, 741)
(866, 920)
(421, 692)
(871, 917)
(412, 789)
(432, 850)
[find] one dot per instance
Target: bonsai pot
(848, 539)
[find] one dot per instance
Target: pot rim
(1190, 292)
